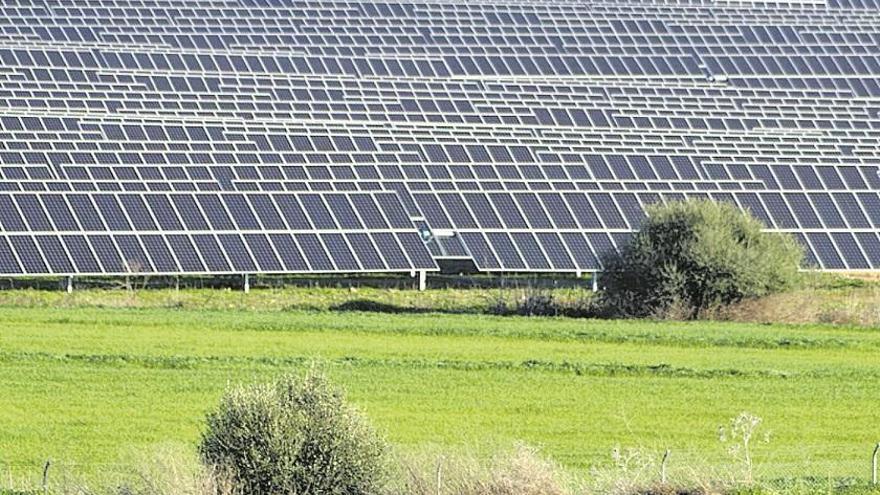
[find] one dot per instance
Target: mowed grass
(88, 385)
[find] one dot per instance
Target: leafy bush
(294, 436)
(693, 255)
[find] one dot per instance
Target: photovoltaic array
(283, 136)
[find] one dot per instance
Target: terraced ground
(86, 385)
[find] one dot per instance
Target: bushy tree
(692, 255)
(294, 436)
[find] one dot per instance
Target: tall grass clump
(296, 435)
(695, 255)
(520, 471)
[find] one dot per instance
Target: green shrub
(294, 436)
(691, 256)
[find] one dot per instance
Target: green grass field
(88, 385)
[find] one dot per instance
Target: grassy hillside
(87, 385)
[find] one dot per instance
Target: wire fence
(808, 465)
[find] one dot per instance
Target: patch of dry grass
(858, 306)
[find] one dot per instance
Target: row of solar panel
(212, 253)
(57, 185)
(431, 38)
(592, 176)
(384, 211)
(442, 162)
(599, 211)
(578, 251)
(451, 96)
(359, 65)
(201, 212)
(624, 118)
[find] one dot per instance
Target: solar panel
(297, 136)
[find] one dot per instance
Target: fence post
(439, 475)
(874, 464)
(46, 475)
(663, 466)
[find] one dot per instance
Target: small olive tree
(294, 436)
(692, 255)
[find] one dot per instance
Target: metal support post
(69, 287)
(423, 280)
(247, 283)
(595, 281)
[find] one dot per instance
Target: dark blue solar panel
(158, 252)
(414, 247)
(8, 263)
(292, 212)
(133, 254)
(508, 211)
(266, 211)
(871, 206)
(289, 252)
(55, 255)
(583, 211)
(185, 252)
(81, 253)
(458, 211)
(631, 209)
(810, 258)
(391, 251)
(803, 210)
(580, 251)
(339, 251)
(211, 253)
(826, 251)
(137, 211)
(59, 212)
(241, 212)
(215, 212)
(369, 212)
(189, 212)
(112, 213)
(779, 211)
(507, 252)
(33, 212)
(870, 246)
(366, 253)
(534, 211)
(432, 211)
(317, 211)
(608, 212)
(531, 251)
(263, 253)
(31, 259)
(560, 215)
(343, 212)
(237, 253)
(10, 218)
(849, 249)
(107, 253)
(556, 251)
(314, 252)
(480, 251)
(163, 212)
(752, 203)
